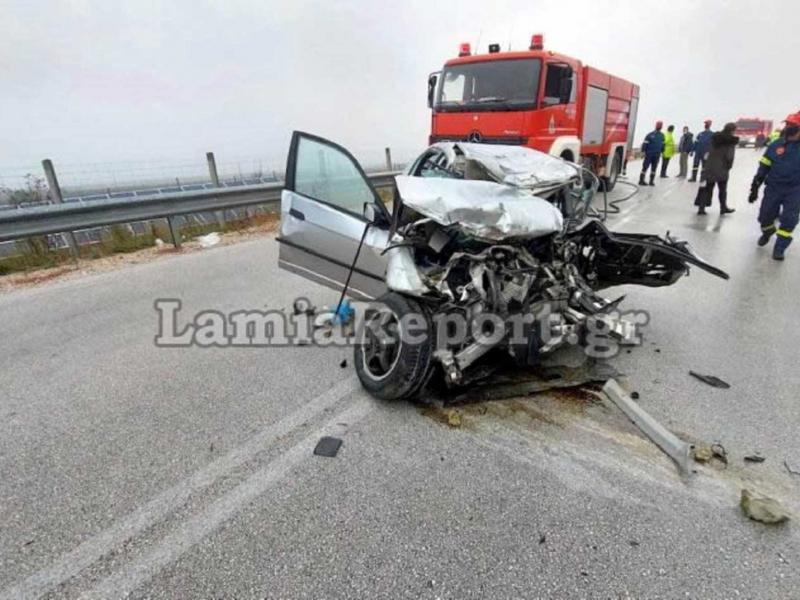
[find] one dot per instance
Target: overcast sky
(88, 82)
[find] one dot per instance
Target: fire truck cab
(753, 130)
(536, 98)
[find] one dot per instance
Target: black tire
(404, 371)
(616, 166)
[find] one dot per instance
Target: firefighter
(652, 147)
(773, 136)
(701, 145)
(780, 169)
(669, 150)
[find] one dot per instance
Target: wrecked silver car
(485, 248)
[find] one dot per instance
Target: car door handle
(297, 214)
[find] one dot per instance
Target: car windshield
(491, 85)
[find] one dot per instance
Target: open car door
(323, 218)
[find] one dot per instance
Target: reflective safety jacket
(669, 145)
(653, 143)
(773, 136)
(780, 167)
(703, 142)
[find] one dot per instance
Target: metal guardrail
(56, 218)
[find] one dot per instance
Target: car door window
(552, 84)
(328, 174)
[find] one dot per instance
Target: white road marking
(93, 549)
(171, 547)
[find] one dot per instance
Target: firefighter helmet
(793, 119)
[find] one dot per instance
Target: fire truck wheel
(611, 181)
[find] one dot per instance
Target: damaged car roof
(518, 166)
(484, 209)
(491, 191)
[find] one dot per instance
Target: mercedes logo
(474, 136)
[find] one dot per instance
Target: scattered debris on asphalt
(754, 458)
(454, 418)
(711, 380)
(343, 364)
(446, 416)
(542, 539)
(678, 450)
(719, 452)
(635, 395)
(762, 508)
(524, 382)
(343, 313)
(633, 543)
(790, 469)
(703, 454)
(328, 446)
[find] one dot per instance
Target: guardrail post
(388, 159)
(212, 168)
(212, 172)
(55, 193)
(174, 233)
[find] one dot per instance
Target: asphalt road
(128, 469)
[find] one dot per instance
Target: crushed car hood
(484, 209)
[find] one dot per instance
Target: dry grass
(39, 266)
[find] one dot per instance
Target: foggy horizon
(86, 83)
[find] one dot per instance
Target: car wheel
(393, 362)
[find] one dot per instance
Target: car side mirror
(369, 212)
(433, 78)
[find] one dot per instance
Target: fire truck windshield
(491, 85)
(746, 124)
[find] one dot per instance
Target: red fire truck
(752, 130)
(536, 98)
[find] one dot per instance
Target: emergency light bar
(537, 42)
(464, 49)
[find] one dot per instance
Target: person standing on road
(718, 166)
(701, 145)
(685, 148)
(652, 147)
(669, 149)
(780, 169)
